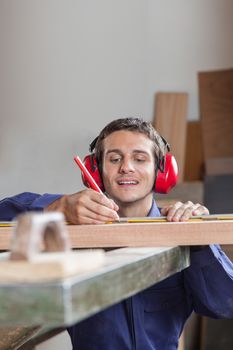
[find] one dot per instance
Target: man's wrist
(57, 205)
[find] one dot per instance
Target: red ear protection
(164, 181)
(167, 179)
(91, 165)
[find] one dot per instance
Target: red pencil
(88, 176)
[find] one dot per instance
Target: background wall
(68, 67)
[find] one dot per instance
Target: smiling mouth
(125, 182)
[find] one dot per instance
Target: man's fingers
(174, 211)
(114, 205)
(97, 212)
(91, 221)
(200, 210)
(183, 211)
(93, 207)
(103, 200)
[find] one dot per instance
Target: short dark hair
(134, 125)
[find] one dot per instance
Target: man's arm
(12, 206)
(85, 207)
(209, 279)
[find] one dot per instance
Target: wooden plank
(194, 161)
(170, 121)
(126, 272)
(144, 234)
(216, 109)
(152, 234)
(219, 166)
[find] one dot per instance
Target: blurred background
(69, 67)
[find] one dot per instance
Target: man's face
(128, 166)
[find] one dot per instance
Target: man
(128, 152)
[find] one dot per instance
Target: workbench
(125, 272)
(41, 309)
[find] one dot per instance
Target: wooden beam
(69, 300)
(170, 121)
(194, 161)
(143, 234)
(216, 108)
(66, 301)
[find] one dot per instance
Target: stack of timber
(216, 110)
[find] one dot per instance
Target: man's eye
(140, 160)
(115, 160)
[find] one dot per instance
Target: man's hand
(183, 211)
(86, 207)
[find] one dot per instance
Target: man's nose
(126, 166)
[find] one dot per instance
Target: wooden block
(49, 266)
(170, 122)
(216, 109)
(194, 161)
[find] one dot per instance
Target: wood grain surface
(194, 162)
(216, 109)
(170, 121)
(143, 234)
